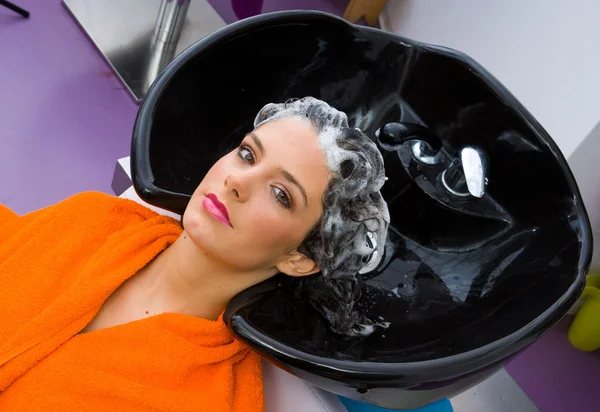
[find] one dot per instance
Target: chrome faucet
(393, 135)
(467, 173)
(463, 175)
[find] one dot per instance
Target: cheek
(275, 229)
(216, 174)
(213, 177)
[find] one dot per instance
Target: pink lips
(216, 209)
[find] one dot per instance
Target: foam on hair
(352, 208)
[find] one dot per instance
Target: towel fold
(57, 267)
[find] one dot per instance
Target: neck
(183, 279)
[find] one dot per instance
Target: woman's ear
(296, 264)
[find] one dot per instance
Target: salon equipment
(431, 167)
(246, 8)
(466, 282)
(14, 8)
(467, 173)
(354, 406)
(138, 38)
(369, 9)
(584, 332)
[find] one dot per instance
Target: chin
(204, 231)
(197, 221)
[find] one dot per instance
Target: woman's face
(255, 206)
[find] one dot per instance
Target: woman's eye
(246, 155)
(282, 197)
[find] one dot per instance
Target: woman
(108, 306)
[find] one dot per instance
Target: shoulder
(97, 202)
(84, 217)
(97, 210)
(6, 214)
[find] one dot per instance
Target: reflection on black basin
(462, 292)
(425, 212)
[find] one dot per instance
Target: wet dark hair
(353, 227)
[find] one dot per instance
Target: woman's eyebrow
(258, 143)
(288, 176)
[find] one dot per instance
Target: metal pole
(169, 23)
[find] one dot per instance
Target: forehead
(292, 137)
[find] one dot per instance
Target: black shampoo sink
(462, 292)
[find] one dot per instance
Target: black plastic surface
(462, 292)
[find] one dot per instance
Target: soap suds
(354, 211)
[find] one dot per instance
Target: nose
(238, 186)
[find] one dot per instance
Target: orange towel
(57, 267)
